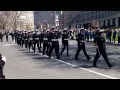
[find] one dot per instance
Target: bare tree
(4, 18)
(95, 24)
(9, 19)
(15, 16)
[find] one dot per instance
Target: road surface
(24, 64)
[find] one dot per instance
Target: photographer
(2, 63)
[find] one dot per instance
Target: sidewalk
(108, 43)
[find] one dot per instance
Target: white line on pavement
(76, 66)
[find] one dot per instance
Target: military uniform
(36, 41)
(12, 35)
(45, 43)
(65, 37)
(30, 40)
(7, 36)
(81, 45)
(101, 49)
(1, 36)
(20, 37)
(15, 36)
(54, 43)
(26, 39)
(2, 63)
(41, 38)
(23, 38)
(118, 36)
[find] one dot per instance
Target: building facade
(105, 18)
(44, 19)
(80, 19)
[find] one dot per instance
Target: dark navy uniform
(26, 39)
(15, 36)
(30, 40)
(36, 41)
(12, 35)
(45, 43)
(1, 36)
(54, 43)
(41, 38)
(81, 45)
(65, 37)
(101, 49)
(2, 63)
(7, 36)
(23, 38)
(20, 37)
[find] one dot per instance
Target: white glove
(3, 58)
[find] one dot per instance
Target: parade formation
(56, 44)
(48, 40)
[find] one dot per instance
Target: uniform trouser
(6, 38)
(18, 41)
(36, 42)
(22, 42)
(82, 46)
(65, 44)
(1, 74)
(55, 45)
(26, 43)
(15, 39)
(118, 39)
(85, 36)
(1, 39)
(45, 46)
(104, 54)
(30, 44)
(12, 38)
(40, 43)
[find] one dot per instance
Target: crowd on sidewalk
(111, 35)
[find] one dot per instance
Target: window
(99, 16)
(36, 12)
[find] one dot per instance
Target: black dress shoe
(89, 58)
(49, 56)
(68, 55)
(61, 53)
(76, 58)
(110, 66)
(94, 66)
(58, 57)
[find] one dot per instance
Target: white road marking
(8, 44)
(77, 66)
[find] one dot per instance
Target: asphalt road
(24, 64)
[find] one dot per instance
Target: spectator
(90, 35)
(109, 35)
(87, 34)
(114, 35)
(118, 36)
(93, 34)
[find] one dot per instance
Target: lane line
(97, 73)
